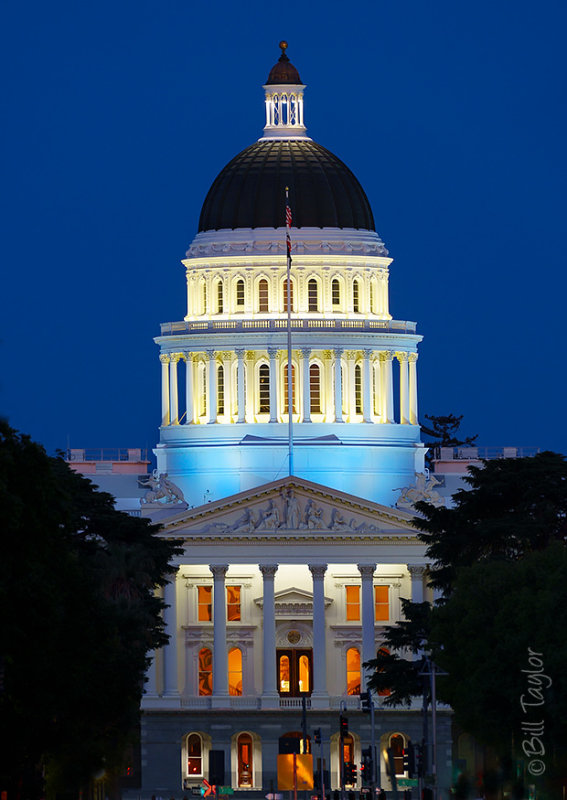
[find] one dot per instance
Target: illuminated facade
(286, 582)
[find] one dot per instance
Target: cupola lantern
(284, 100)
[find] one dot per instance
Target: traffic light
(343, 725)
(365, 702)
(317, 735)
(409, 760)
(366, 766)
(349, 773)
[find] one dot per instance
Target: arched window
(284, 671)
(397, 745)
(194, 755)
(348, 751)
(240, 294)
(293, 391)
(353, 670)
(220, 298)
(356, 296)
(284, 288)
(315, 388)
(204, 296)
(245, 765)
(264, 389)
(220, 389)
(312, 295)
(336, 293)
(235, 672)
(263, 296)
(205, 671)
(358, 389)
(304, 674)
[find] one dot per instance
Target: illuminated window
(353, 670)
(204, 603)
(315, 388)
(348, 752)
(194, 755)
(263, 296)
(284, 675)
(264, 389)
(205, 671)
(235, 672)
(233, 603)
(204, 297)
(293, 390)
(382, 603)
(240, 294)
(355, 296)
(357, 389)
(397, 747)
(352, 603)
(312, 295)
(284, 285)
(220, 390)
(245, 765)
(336, 292)
(304, 674)
(220, 298)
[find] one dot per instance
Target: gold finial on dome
(283, 46)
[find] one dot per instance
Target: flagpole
(289, 363)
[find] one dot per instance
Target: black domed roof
(250, 191)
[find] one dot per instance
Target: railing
(133, 454)
(384, 325)
(477, 453)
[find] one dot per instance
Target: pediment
(296, 602)
(291, 507)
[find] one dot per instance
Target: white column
(327, 386)
(366, 386)
(404, 387)
(350, 387)
(413, 388)
(170, 688)
(150, 686)
(212, 393)
(273, 353)
(386, 357)
(164, 389)
(220, 653)
(240, 386)
(305, 353)
(173, 392)
(249, 382)
(338, 385)
(367, 602)
(416, 571)
(189, 399)
(226, 365)
(319, 644)
(270, 695)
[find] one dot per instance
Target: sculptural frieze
(160, 490)
(423, 489)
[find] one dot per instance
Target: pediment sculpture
(422, 490)
(160, 490)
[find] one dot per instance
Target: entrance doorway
(295, 672)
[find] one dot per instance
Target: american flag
(288, 216)
(288, 226)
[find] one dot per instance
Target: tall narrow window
(353, 670)
(194, 754)
(245, 765)
(293, 391)
(336, 292)
(397, 746)
(240, 294)
(263, 296)
(284, 285)
(352, 603)
(220, 390)
(220, 298)
(304, 674)
(235, 672)
(205, 671)
(204, 296)
(358, 389)
(315, 388)
(355, 297)
(371, 297)
(284, 670)
(233, 613)
(264, 389)
(313, 295)
(382, 603)
(204, 603)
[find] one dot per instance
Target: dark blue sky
(118, 116)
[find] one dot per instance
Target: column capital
(268, 570)
(250, 355)
(317, 570)
(211, 354)
(175, 357)
(338, 351)
(227, 355)
(366, 570)
(306, 352)
(273, 352)
(218, 570)
(401, 355)
(386, 355)
(327, 354)
(164, 358)
(350, 353)
(239, 352)
(188, 355)
(367, 352)
(417, 570)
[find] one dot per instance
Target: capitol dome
(249, 192)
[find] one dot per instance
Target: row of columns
(270, 695)
(337, 390)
